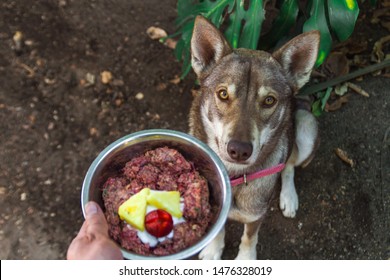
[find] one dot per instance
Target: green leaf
(319, 104)
(317, 21)
(232, 32)
(254, 18)
(316, 108)
(325, 98)
(243, 23)
(243, 19)
(179, 49)
(187, 11)
(342, 17)
(183, 45)
(216, 10)
(186, 66)
(282, 24)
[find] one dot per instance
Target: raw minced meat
(162, 169)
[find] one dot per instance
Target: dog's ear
(208, 45)
(298, 56)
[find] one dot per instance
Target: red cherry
(158, 223)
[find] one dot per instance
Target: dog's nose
(239, 151)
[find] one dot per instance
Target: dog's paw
(211, 252)
(247, 254)
(289, 202)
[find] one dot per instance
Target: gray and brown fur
(258, 125)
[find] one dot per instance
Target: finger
(95, 221)
(84, 227)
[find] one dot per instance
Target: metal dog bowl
(113, 158)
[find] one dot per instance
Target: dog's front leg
(214, 250)
(306, 141)
(249, 241)
(288, 195)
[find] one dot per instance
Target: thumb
(95, 219)
(91, 209)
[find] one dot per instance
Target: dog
(247, 111)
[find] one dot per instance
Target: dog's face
(247, 95)
(247, 104)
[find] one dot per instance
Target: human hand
(93, 242)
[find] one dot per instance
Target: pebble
(106, 77)
(93, 131)
(156, 33)
(23, 196)
(139, 96)
(18, 41)
(118, 102)
(90, 78)
(3, 190)
(48, 182)
(62, 3)
(50, 126)
(20, 183)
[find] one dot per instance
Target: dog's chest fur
(252, 200)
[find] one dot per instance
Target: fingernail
(90, 209)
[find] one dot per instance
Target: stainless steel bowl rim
(188, 252)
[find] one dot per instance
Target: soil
(57, 115)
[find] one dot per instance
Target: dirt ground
(56, 116)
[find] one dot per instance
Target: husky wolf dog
(247, 112)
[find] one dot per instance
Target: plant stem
(321, 86)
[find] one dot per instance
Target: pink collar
(258, 174)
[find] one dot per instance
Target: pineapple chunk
(166, 200)
(133, 210)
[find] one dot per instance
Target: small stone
(48, 182)
(3, 190)
(23, 196)
(29, 43)
(50, 126)
(20, 183)
(139, 96)
(118, 102)
(156, 33)
(156, 117)
(49, 81)
(161, 86)
(93, 131)
(18, 41)
(176, 80)
(90, 79)
(62, 3)
(106, 77)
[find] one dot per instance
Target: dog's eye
(269, 101)
(223, 94)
